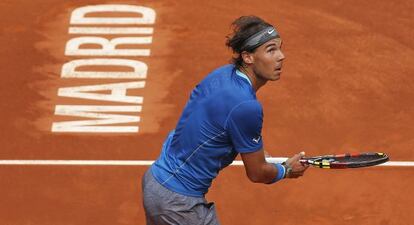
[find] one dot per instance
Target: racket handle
(276, 159)
(283, 159)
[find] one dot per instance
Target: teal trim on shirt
(241, 74)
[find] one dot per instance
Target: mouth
(278, 68)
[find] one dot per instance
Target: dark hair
(243, 28)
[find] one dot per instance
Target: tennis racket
(342, 161)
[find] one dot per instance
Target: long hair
(243, 28)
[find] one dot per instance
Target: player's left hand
(298, 169)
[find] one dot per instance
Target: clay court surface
(347, 85)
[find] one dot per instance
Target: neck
(257, 82)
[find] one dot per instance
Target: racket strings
(348, 160)
(359, 158)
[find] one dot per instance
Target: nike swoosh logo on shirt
(270, 31)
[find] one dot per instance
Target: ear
(247, 58)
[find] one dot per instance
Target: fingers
(298, 169)
(295, 159)
(298, 156)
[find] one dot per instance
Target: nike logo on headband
(260, 38)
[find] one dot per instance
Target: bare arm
(260, 171)
(257, 169)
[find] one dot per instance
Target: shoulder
(246, 111)
(229, 68)
(222, 72)
(220, 81)
(248, 107)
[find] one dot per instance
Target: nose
(281, 56)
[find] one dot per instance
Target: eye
(271, 50)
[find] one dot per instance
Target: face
(267, 60)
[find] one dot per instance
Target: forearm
(259, 171)
(267, 173)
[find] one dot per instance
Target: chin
(276, 78)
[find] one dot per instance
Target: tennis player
(222, 119)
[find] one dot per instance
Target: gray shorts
(165, 207)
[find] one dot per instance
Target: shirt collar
(241, 74)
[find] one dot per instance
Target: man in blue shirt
(222, 119)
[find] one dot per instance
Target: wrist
(288, 169)
(281, 171)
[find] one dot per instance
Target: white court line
(142, 162)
